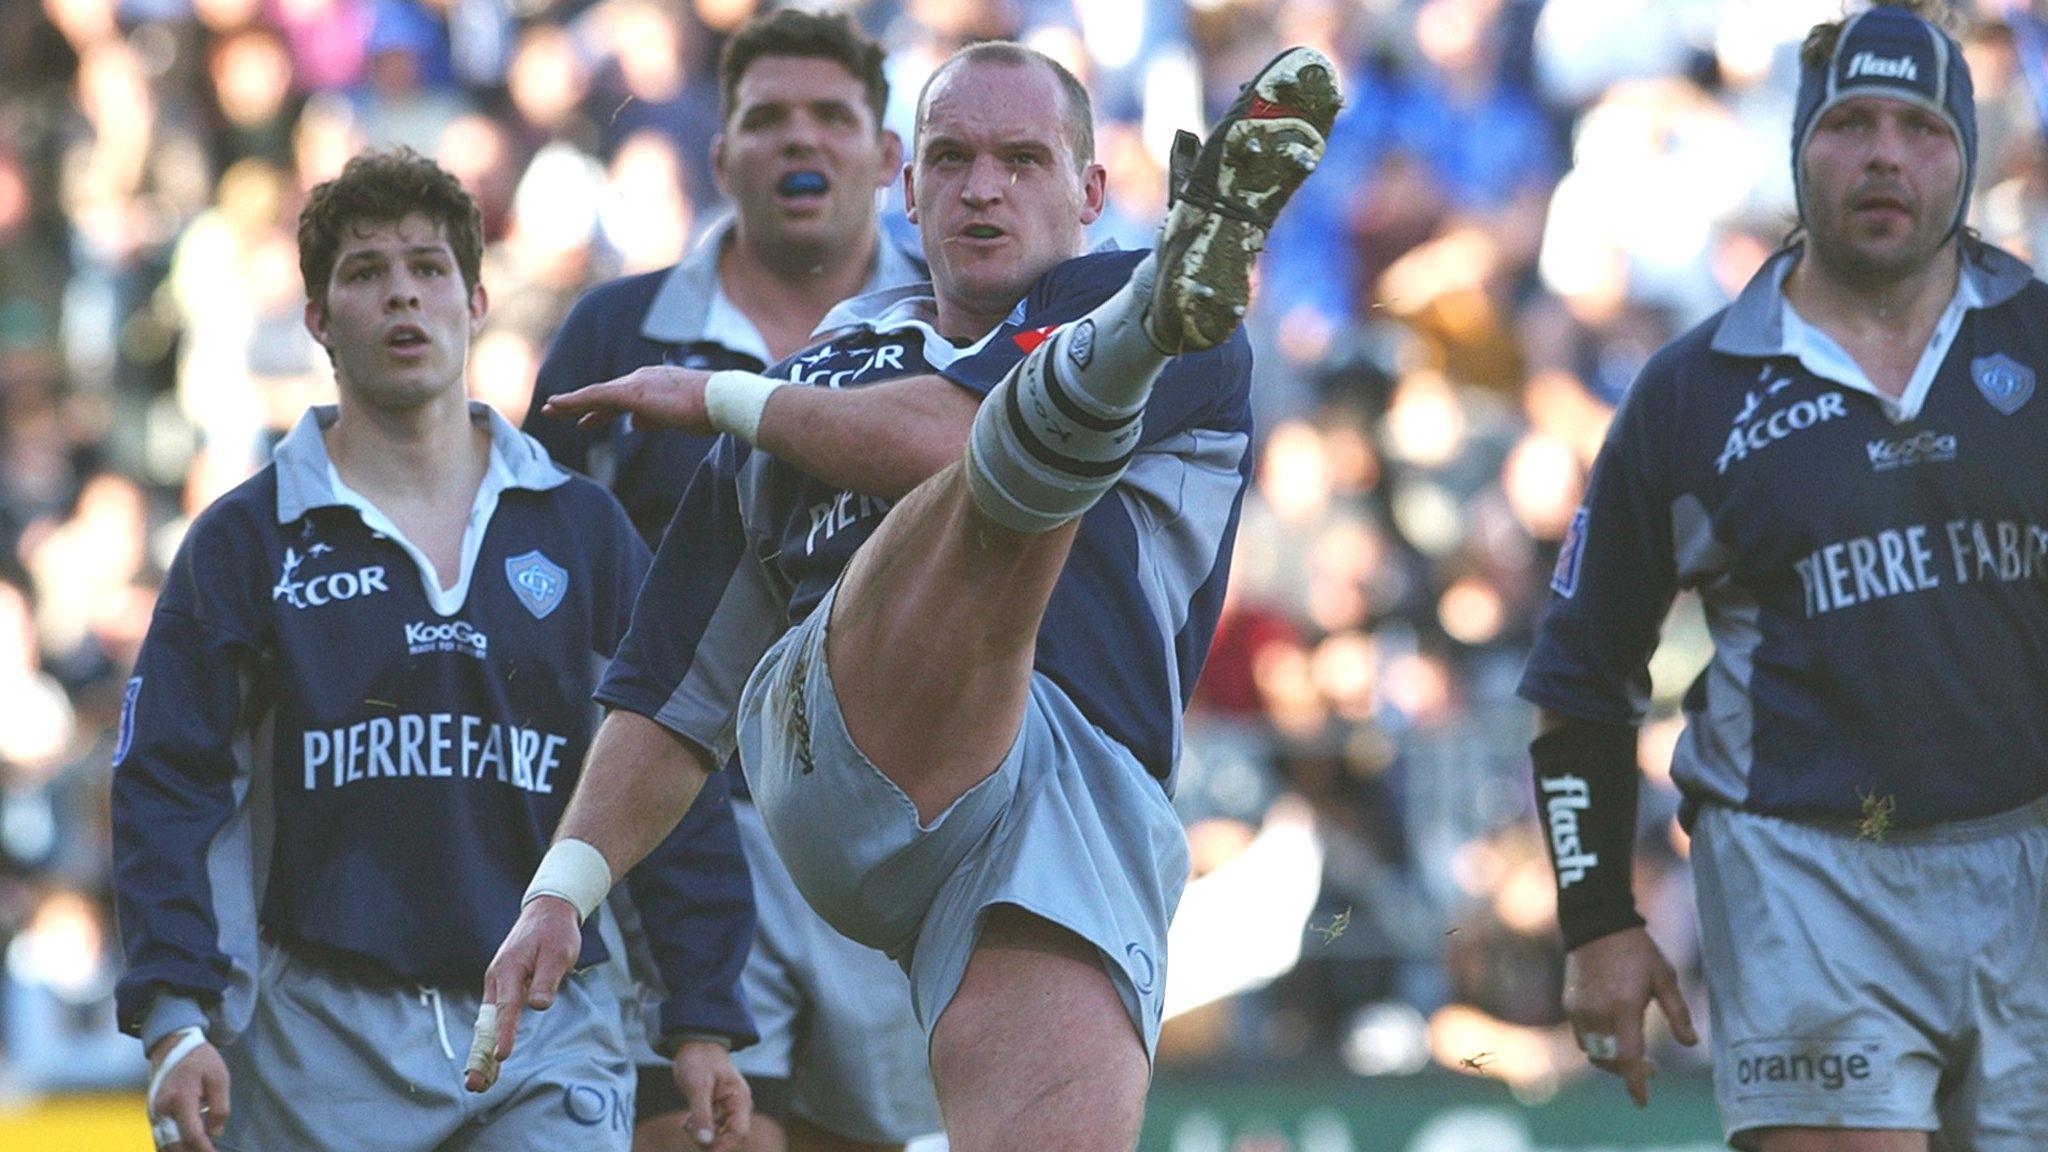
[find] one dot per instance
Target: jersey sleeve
(572, 361)
(627, 564)
(1616, 571)
(705, 615)
(1201, 389)
(695, 898)
(183, 885)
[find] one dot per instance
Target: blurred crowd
(1522, 201)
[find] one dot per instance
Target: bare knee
(1036, 1050)
(1840, 1140)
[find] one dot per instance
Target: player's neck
(428, 454)
(787, 292)
(1857, 310)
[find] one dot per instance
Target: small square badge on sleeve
(1564, 579)
(125, 739)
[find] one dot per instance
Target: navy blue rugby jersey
(1130, 620)
(662, 317)
(1874, 570)
(322, 744)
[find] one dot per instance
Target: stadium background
(1524, 199)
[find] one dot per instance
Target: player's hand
(525, 973)
(663, 396)
(720, 1103)
(1608, 986)
(193, 1095)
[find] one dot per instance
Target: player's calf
(1058, 431)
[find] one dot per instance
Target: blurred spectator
(405, 98)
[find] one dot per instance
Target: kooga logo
(454, 636)
(1871, 64)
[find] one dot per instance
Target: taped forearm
(637, 783)
(875, 440)
(1587, 784)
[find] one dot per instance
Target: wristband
(734, 401)
(574, 871)
(1586, 787)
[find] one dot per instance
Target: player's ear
(910, 192)
(479, 307)
(1094, 192)
(892, 156)
(316, 324)
(718, 172)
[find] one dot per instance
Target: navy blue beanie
(1891, 52)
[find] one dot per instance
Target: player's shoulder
(227, 560)
(582, 497)
(1684, 365)
(2029, 306)
(620, 301)
(1095, 274)
(240, 521)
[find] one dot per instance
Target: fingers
(1671, 999)
(695, 1083)
(594, 403)
(1635, 1068)
(480, 1070)
(191, 1123)
(549, 966)
(735, 1105)
(214, 1086)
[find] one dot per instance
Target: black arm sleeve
(1586, 788)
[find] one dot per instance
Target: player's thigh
(323, 1050)
(1840, 1140)
(767, 1134)
(670, 1132)
(862, 1073)
(1035, 1050)
(835, 1019)
(932, 633)
(804, 1136)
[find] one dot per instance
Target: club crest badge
(539, 582)
(2005, 382)
(1081, 346)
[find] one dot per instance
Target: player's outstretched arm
(878, 440)
(637, 784)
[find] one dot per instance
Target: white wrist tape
(574, 871)
(190, 1038)
(734, 400)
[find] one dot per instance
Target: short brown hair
(1819, 45)
(812, 35)
(1079, 114)
(381, 186)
